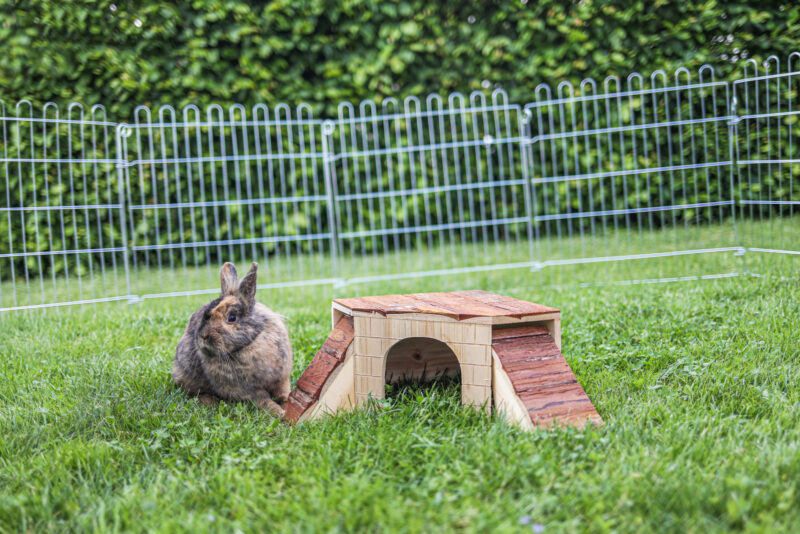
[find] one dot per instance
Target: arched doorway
(419, 359)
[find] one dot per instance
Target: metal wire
(767, 158)
(651, 171)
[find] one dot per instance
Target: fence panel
(430, 187)
(61, 239)
(634, 170)
(661, 177)
(768, 163)
(237, 185)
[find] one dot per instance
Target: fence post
(733, 132)
(329, 158)
(525, 130)
(122, 131)
(733, 141)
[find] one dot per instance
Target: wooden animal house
(508, 352)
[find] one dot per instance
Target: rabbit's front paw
(207, 399)
(271, 406)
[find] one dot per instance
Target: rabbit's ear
(228, 278)
(247, 287)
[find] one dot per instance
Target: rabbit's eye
(231, 317)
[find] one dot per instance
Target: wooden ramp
(322, 374)
(507, 351)
(534, 384)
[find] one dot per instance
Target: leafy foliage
(208, 52)
(125, 53)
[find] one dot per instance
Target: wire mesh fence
(768, 161)
(639, 169)
(443, 176)
(237, 185)
(61, 209)
(591, 181)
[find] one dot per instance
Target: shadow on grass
(444, 388)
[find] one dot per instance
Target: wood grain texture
(459, 305)
(338, 391)
(525, 349)
(328, 358)
(418, 358)
(296, 405)
(518, 331)
(506, 400)
(535, 381)
(514, 307)
(541, 378)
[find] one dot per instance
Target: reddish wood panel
(296, 405)
(499, 334)
(527, 366)
(535, 338)
(458, 305)
(328, 358)
(462, 307)
(548, 371)
(339, 339)
(313, 378)
(407, 304)
(579, 420)
(552, 400)
(516, 307)
(392, 304)
(524, 349)
(542, 378)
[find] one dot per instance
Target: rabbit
(235, 348)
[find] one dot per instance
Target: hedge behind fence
(223, 52)
(125, 53)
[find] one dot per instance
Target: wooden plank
(477, 396)
(515, 343)
(508, 320)
(337, 393)
(462, 306)
(518, 351)
(386, 304)
(297, 403)
(573, 410)
(544, 372)
(514, 307)
(459, 305)
(409, 304)
(506, 400)
(499, 334)
(314, 377)
(340, 338)
(549, 401)
(528, 366)
(542, 379)
(553, 379)
(337, 312)
(357, 304)
(326, 360)
(528, 354)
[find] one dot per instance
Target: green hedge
(222, 52)
(132, 52)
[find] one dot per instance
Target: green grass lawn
(698, 383)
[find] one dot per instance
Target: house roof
(459, 305)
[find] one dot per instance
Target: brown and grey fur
(249, 358)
